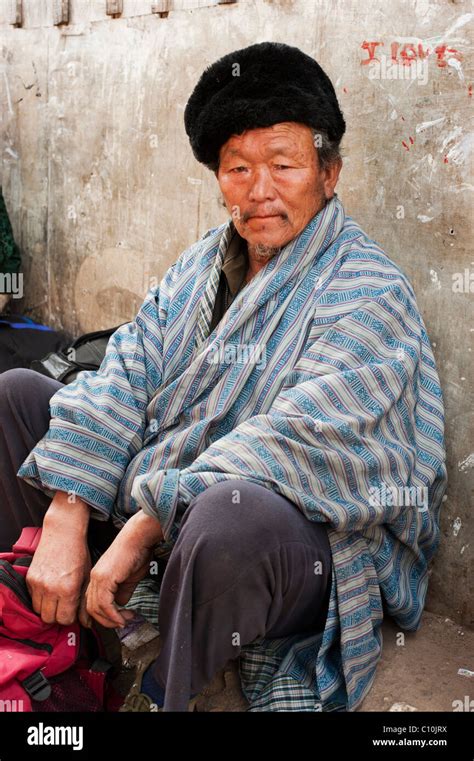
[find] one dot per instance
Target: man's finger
(84, 617)
(110, 612)
(101, 616)
(66, 610)
(36, 598)
(100, 603)
(49, 606)
(104, 621)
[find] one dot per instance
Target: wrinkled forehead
(283, 137)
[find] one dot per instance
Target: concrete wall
(104, 193)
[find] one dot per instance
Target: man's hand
(120, 568)
(61, 563)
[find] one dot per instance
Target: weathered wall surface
(104, 193)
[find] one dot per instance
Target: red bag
(44, 667)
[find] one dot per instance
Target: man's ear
(331, 177)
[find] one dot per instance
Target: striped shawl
(318, 383)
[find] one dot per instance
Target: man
(252, 425)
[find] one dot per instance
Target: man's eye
(238, 168)
(282, 166)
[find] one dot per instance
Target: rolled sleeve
(36, 471)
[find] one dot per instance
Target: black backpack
(86, 353)
(22, 341)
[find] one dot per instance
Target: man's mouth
(264, 216)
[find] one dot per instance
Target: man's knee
(239, 512)
(230, 527)
(20, 388)
(16, 385)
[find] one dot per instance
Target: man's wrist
(147, 528)
(64, 512)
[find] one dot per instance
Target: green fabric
(10, 258)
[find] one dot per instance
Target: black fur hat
(272, 83)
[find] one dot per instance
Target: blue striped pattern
(347, 400)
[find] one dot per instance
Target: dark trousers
(247, 563)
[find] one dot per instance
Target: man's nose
(262, 186)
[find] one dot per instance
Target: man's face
(272, 183)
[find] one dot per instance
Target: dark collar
(235, 263)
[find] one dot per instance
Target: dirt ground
(416, 672)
